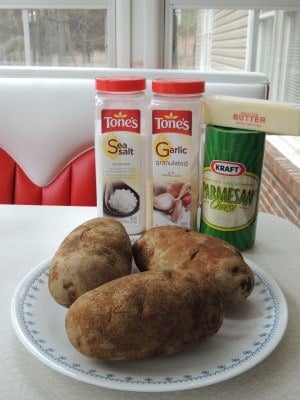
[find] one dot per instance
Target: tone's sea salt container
(120, 150)
(175, 120)
(233, 160)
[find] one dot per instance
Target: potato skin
(179, 248)
(144, 315)
(95, 252)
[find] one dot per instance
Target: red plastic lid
(120, 84)
(178, 86)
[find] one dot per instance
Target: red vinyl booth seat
(74, 186)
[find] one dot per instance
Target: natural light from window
(49, 37)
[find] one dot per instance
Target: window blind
(265, 45)
(292, 78)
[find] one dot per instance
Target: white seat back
(47, 115)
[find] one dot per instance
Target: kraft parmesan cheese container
(120, 126)
(233, 160)
(175, 120)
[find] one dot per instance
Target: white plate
(250, 332)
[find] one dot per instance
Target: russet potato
(95, 252)
(178, 248)
(145, 314)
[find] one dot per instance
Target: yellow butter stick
(245, 113)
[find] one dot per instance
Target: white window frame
(238, 4)
(147, 33)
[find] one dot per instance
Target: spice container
(119, 150)
(233, 160)
(175, 133)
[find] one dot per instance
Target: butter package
(244, 113)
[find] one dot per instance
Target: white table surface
(31, 234)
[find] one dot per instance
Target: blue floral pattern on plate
(249, 333)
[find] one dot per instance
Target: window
(262, 36)
(210, 39)
(58, 35)
(227, 39)
(279, 53)
(246, 39)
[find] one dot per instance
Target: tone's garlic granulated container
(233, 160)
(175, 113)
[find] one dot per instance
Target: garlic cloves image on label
(172, 199)
(164, 202)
